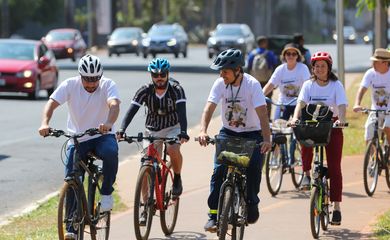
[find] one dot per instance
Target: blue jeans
(253, 173)
(106, 148)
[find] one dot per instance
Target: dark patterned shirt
(161, 110)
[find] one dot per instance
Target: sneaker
(177, 187)
(70, 236)
(211, 226)
(143, 218)
(305, 185)
(106, 203)
(336, 217)
(253, 214)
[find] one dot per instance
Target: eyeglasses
(294, 54)
(90, 79)
(155, 75)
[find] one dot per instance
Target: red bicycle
(154, 188)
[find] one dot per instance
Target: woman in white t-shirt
(288, 77)
(325, 88)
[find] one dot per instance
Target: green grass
(41, 224)
(382, 227)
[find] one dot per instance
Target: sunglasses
(294, 54)
(156, 75)
(90, 79)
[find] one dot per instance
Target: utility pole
(224, 13)
(4, 19)
(90, 23)
(340, 39)
(380, 26)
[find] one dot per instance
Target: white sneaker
(106, 203)
(70, 236)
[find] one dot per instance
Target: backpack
(260, 69)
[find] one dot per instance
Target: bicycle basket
(234, 151)
(313, 134)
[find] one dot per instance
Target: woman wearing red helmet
(324, 88)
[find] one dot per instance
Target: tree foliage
(369, 5)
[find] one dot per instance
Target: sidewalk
(360, 212)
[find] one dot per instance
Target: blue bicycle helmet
(230, 58)
(159, 65)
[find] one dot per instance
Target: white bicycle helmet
(90, 68)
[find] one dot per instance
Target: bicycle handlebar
(313, 123)
(209, 140)
(140, 137)
(367, 110)
(267, 99)
(57, 133)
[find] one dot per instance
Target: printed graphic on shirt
(290, 87)
(236, 113)
(321, 100)
(381, 97)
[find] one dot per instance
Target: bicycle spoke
(274, 171)
(371, 169)
(171, 207)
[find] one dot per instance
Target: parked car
(125, 40)
(27, 66)
(369, 37)
(349, 34)
(165, 38)
(230, 35)
(66, 43)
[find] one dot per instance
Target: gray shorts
(166, 132)
(383, 121)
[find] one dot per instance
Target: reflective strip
(213, 211)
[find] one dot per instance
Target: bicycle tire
(296, 169)
(168, 215)
(274, 170)
(100, 227)
(314, 213)
(371, 168)
(144, 202)
(239, 217)
(387, 174)
(325, 218)
(224, 216)
(70, 196)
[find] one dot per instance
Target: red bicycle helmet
(321, 56)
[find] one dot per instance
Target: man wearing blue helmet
(244, 114)
(166, 113)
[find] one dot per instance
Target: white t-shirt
(289, 81)
(238, 110)
(380, 83)
(86, 110)
(332, 95)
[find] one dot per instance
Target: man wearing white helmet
(93, 102)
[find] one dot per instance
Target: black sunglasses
(90, 79)
(155, 75)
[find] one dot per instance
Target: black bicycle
(280, 159)
(76, 208)
(235, 153)
(317, 134)
(376, 156)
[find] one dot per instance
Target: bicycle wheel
(274, 170)
(240, 216)
(387, 176)
(296, 169)
(325, 218)
(71, 211)
(168, 215)
(100, 227)
(224, 216)
(143, 203)
(371, 168)
(315, 212)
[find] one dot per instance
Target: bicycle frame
(320, 176)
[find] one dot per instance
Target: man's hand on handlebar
(202, 138)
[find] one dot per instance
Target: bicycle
(75, 209)
(279, 160)
(317, 134)
(154, 188)
(376, 157)
(235, 154)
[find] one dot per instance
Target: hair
(331, 75)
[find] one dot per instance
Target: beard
(160, 85)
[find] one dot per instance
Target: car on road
(125, 40)
(369, 37)
(350, 34)
(27, 66)
(165, 38)
(66, 43)
(230, 35)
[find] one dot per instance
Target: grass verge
(382, 227)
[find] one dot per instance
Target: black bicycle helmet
(230, 58)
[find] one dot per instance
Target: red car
(66, 43)
(27, 66)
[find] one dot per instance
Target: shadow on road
(345, 234)
(293, 194)
(2, 157)
(353, 195)
(183, 235)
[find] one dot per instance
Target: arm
(205, 121)
(297, 111)
(181, 112)
(358, 99)
(269, 87)
(113, 113)
(342, 113)
(265, 129)
(50, 106)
